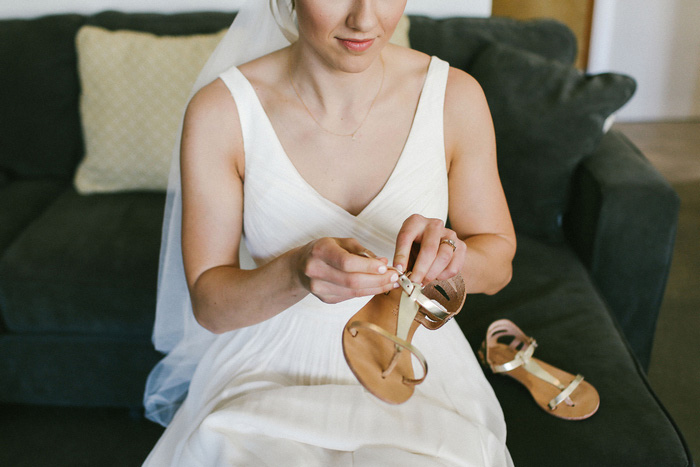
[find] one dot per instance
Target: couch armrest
(622, 222)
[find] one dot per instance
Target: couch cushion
(39, 122)
(134, 88)
(21, 202)
(458, 40)
(552, 299)
(74, 370)
(548, 116)
(87, 265)
(163, 24)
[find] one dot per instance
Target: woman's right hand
(337, 269)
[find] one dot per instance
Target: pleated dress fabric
(280, 393)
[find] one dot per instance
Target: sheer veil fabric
(176, 332)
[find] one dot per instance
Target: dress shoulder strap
(436, 78)
(247, 104)
(430, 112)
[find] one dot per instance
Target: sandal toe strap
(565, 392)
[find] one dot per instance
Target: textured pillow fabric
(135, 86)
(548, 116)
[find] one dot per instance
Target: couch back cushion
(459, 40)
(40, 132)
(548, 117)
(178, 24)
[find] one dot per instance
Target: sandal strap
(564, 395)
(415, 291)
(408, 309)
(524, 359)
(400, 344)
(521, 358)
(532, 367)
(413, 302)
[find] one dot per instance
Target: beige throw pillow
(135, 87)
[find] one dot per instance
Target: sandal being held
(377, 339)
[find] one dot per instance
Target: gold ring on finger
(449, 242)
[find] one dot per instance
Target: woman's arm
(482, 228)
(225, 297)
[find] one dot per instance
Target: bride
(330, 157)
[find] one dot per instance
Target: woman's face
(348, 34)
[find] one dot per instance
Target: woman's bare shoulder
(465, 101)
(211, 126)
(467, 118)
(211, 102)
(462, 88)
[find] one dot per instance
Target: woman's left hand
(441, 254)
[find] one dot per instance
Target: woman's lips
(357, 45)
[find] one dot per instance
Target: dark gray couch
(595, 226)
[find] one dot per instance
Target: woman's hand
(441, 254)
(336, 269)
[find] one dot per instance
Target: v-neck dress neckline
(284, 158)
(282, 210)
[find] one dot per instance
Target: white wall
(31, 8)
(658, 43)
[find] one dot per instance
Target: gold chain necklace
(352, 135)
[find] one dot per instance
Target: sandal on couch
(377, 339)
(507, 350)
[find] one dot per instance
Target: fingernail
(394, 278)
(382, 269)
(396, 285)
(399, 268)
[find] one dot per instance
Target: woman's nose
(363, 15)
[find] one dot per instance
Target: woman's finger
(456, 263)
(429, 247)
(348, 255)
(410, 233)
(333, 288)
(443, 258)
(327, 274)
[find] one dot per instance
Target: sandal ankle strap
(431, 313)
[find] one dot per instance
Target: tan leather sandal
(377, 339)
(507, 350)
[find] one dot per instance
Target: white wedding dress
(280, 393)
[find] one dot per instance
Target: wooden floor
(674, 149)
